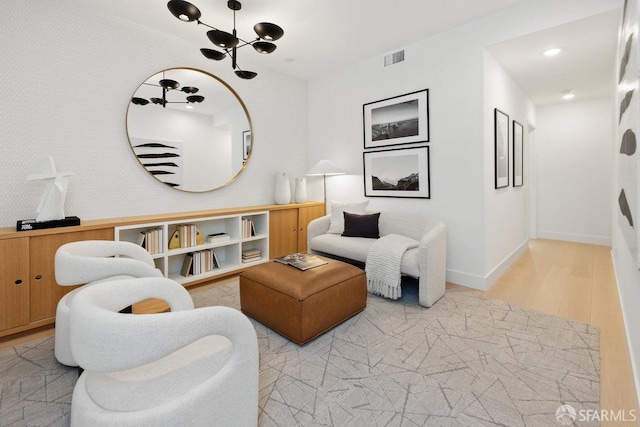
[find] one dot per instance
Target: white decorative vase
(283, 189)
(300, 195)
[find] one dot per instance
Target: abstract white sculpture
(51, 206)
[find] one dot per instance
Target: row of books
(151, 240)
(185, 236)
(199, 262)
(250, 255)
(248, 228)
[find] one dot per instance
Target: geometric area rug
(466, 361)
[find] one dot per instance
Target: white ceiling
(585, 66)
(326, 35)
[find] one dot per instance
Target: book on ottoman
(301, 261)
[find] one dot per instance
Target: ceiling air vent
(394, 58)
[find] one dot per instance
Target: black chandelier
(229, 42)
(170, 85)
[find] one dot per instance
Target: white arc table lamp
(324, 168)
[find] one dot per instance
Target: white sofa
(427, 262)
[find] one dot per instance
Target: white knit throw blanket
(383, 264)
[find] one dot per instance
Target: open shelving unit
(228, 252)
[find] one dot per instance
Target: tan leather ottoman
(301, 305)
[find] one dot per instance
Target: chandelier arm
(246, 42)
(207, 25)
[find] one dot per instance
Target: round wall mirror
(189, 129)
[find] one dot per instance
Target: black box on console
(32, 224)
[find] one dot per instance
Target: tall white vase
(283, 189)
(300, 195)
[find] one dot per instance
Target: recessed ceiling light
(552, 52)
(567, 94)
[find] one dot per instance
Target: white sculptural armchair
(189, 367)
(88, 261)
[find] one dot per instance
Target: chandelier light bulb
(552, 52)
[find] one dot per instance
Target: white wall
(506, 208)
(626, 170)
(452, 66)
(69, 73)
(575, 163)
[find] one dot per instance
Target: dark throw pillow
(361, 225)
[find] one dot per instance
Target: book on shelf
(141, 238)
(185, 236)
(248, 228)
(151, 240)
(199, 262)
(301, 261)
(251, 252)
(216, 261)
(187, 265)
(218, 237)
(251, 255)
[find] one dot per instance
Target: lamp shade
(212, 54)
(183, 10)
(268, 31)
(222, 39)
(325, 167)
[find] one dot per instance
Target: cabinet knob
(39, 277)
(18, 282)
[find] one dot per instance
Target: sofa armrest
(432, 263)
(317, 227)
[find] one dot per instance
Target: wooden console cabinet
(288, 228)
(29, 293)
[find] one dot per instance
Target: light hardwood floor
(576, 281)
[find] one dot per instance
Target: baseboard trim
(634, 367)
(466, 279)
(484, 283)
(577, 238)
(503, 266)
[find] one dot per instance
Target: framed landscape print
(397, 173)
(399, 120)
(246, 144)
(501, 144)
(518, 146)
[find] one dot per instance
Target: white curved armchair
(88, 261)
(190, 367)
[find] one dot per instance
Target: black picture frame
(402, 119)
(518, 154)
(501, 148)
(246, 144)
(404, 172)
